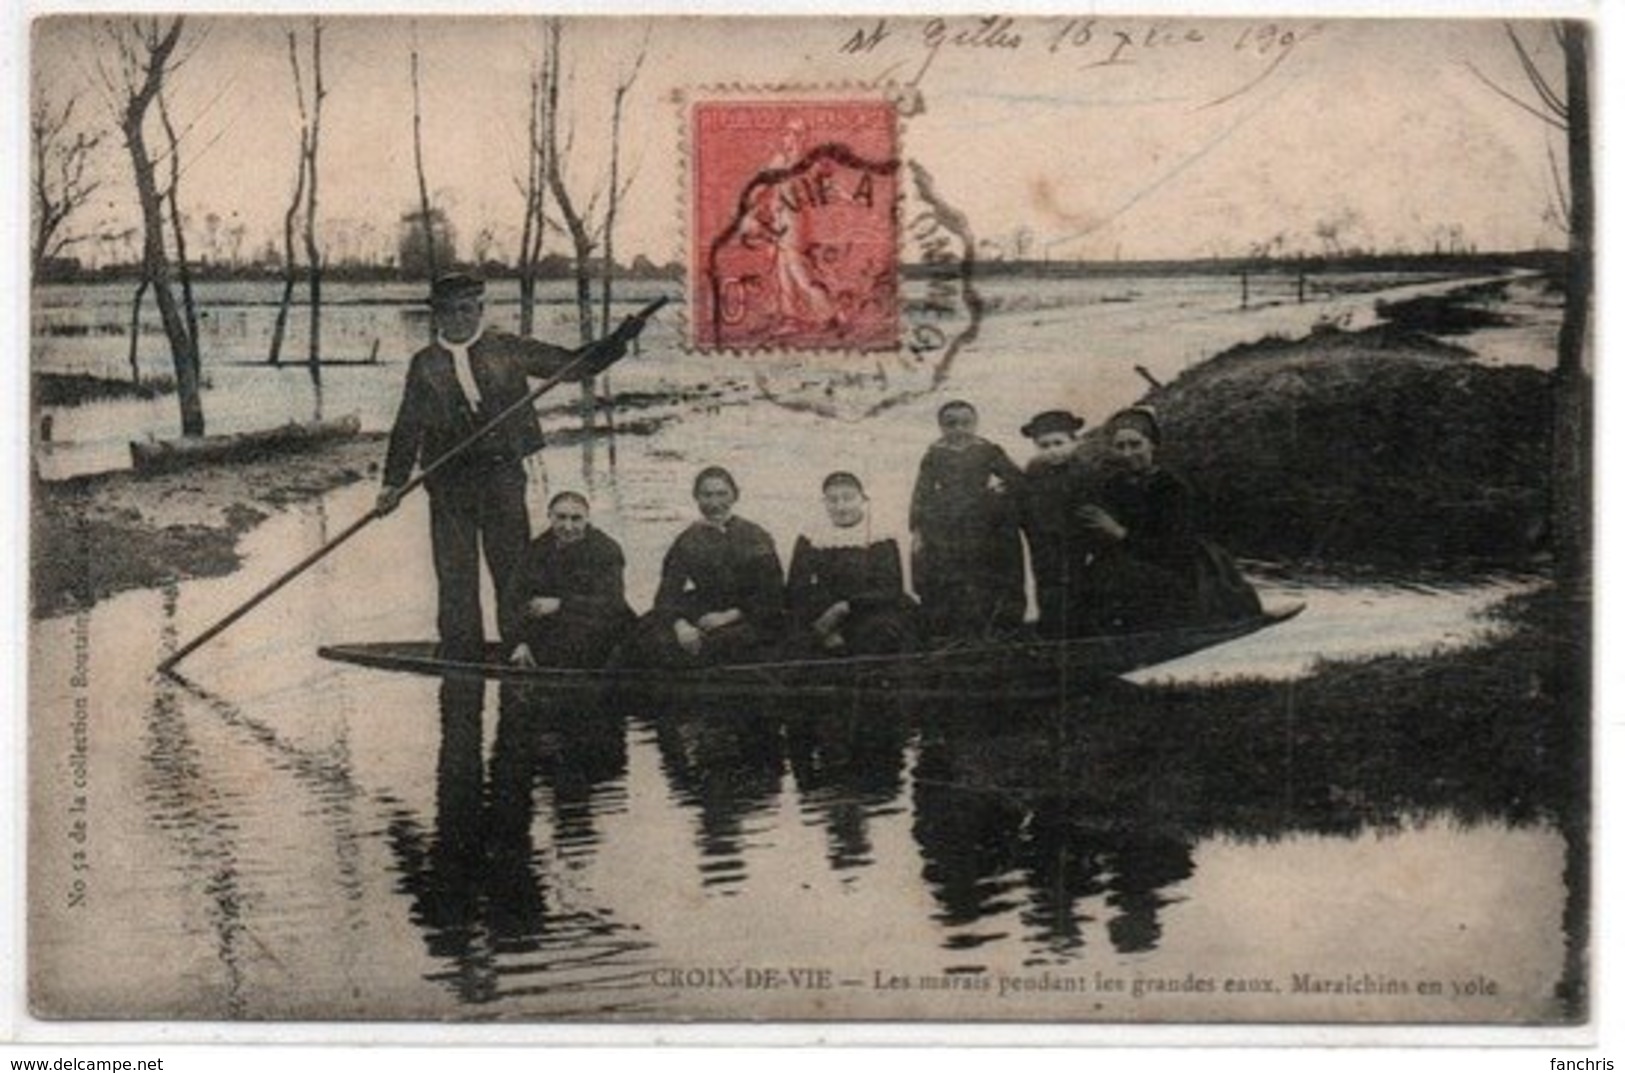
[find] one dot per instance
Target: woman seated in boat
(565, 603)
(846, 582)
(721, 595)
(968, 568)
(1152, 569)
(1054, 492)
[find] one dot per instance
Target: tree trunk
(183, 264)
(527, 302)
(1571, 517)
(135, 330)
(530, 237)
(280, 327)
(290, 268)
(155, 259)
(423, 183)
(313, 253)
(1571, 439)
(589, 386)
(580, 239)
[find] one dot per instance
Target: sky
(1091, 138)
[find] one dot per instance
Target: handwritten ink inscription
(1091, 44)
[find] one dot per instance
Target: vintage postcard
(1010, 519)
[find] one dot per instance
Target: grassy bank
(95, 536)
(99, 535)
(1490, 732)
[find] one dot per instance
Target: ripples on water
(300, 840)
(371, 845)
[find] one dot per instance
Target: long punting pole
(629, 328)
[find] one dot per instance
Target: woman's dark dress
(1162, 574)
(968, 573)
(714, 569)
(1057, 542)
(587, 576)
(869, 577)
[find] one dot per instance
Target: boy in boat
(846, 582)
(1055, 490)
(566, 601)
(455, 386)
(721, 595)
(967, 547)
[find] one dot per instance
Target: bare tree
(146, 53)
(1572, 492)
(178, 221)
(290, 217)
(312, 146)
(534, 192)
(575, 217)
(417, 157)
(580, 221)
(63, 182)
(1569, 111)
(616, 190)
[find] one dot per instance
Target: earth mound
(1381, 447)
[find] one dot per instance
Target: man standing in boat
(455, 386)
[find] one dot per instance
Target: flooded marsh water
(283, 837)
(276, 836)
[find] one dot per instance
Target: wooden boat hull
(160, 456)
(1022, 669)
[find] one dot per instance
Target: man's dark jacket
(434, 416)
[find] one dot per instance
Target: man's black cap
(454, 285)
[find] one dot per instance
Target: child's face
(958, 423)
(1055, 446)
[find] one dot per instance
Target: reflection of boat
(1017, 669)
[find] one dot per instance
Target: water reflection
(480, 887)
(848, 766)
(1037, 824)
(1012, 833)
(182, 799)
(726, 763)
(331, 844)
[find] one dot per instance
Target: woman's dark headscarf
(1142, 419)
(715, 473)
(841, 477)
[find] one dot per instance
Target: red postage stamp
(793, 225)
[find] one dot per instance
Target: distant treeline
(556, 267)
(560, 268)
(1449, 263)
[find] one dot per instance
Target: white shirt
(464, 368)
